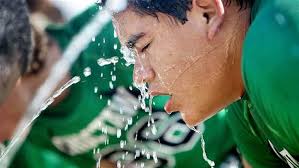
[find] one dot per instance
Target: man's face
(178, 60)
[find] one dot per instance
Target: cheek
(168, 66)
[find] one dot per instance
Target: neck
(235, 47)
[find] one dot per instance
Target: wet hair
(175, 8)
(15, 34)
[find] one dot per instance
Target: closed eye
(146, 47)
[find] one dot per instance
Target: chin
(192, 119)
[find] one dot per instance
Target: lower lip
(168, 105)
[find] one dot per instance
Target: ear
(213, 11)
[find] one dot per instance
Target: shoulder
(252, 145)
(270, 69)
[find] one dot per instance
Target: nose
(143, 72)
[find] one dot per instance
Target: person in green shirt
(212, 54)
(100, 117)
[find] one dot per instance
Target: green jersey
(101, 118)
(265, 123)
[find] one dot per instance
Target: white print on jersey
(285, 156)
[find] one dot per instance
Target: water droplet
(93, 39)
(155, 157)
(104, 130)
(113, 78)
(154, 130)
(143, 151)
(148, 156)
(87, 71)
(110, 85)
(103, 62)
(114, 34)
(99, 161)
(122, 143)
(137, 154)
(95, 89)
(130, 121)
(126, 127)
(115, 46)
(118, 134)
(118, 164)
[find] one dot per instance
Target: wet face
(183, 61)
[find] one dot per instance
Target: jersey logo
(115, 116)
(171, 135)
(285, 156)
(130, 156)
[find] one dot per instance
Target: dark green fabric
(270, 73)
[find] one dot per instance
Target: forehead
(130, 23)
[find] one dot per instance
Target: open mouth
(168, 105)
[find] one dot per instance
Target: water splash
(129, 55)
(108, 61)
(203, 147)
(71, 82)
(143, 95)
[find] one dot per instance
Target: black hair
(175, 8)
(15, 34)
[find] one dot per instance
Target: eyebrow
(133, 39)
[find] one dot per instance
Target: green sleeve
(271, 72)
(252, 146)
